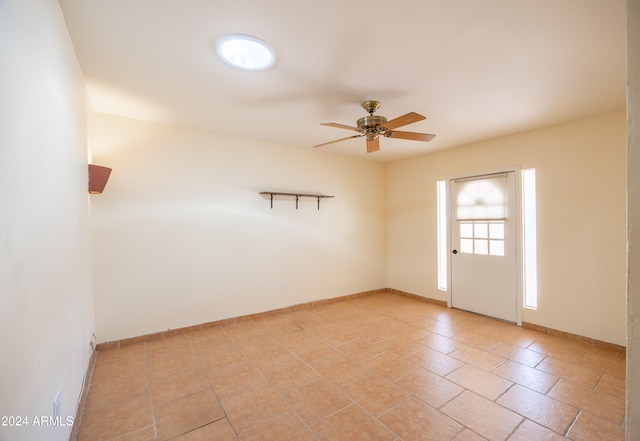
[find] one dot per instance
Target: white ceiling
(478, 69)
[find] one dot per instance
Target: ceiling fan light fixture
(245, 52)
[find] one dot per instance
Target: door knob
(455, 251)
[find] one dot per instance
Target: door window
(482, 237)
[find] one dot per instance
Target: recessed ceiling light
(246, 52)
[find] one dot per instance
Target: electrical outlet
(56, 406)
(283, 285)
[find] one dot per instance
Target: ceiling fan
(373, 126)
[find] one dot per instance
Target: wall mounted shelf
(296, 195)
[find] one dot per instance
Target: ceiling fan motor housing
(371, 124)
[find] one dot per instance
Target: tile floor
(381, 367)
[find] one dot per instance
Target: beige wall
(46, 309)
(182, 236)
(581, 175)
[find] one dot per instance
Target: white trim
(442, 243)
(534, 245)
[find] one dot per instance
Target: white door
(483, 220)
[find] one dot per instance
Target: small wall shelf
(297, 196)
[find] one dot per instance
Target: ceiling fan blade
(426, 137)
(337, 140)
(403, 120)
(373, 145)
(340, 126)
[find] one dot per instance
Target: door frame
(517, 171)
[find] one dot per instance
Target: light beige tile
(574, 372)
(589, 427)
(166, 363)
(600, 404)
(185, 414)
(429, 387)
(324, 366)
(446, 315)
(352, 424)
(440, 343)
(207, 331)
(218, 430)
(285, 427)
(277, 326)
(290, 375)
(336, 337)
(242, 329)
(518, 354)
(413, 419)
(479, 340)
(477, 357)
(272, 357)
(107, 371)
(128, 353)
(236, 379)
(375, 394)
(609, 362)
(468, 435)
(342, 371)
(559, 349)
(256, 343)
(403, 346)
(316, 353)
(483, 416)
(378, 332)
(360, 349)
(514, 335)
(118, 389)
(435, 361)
(390, 366)
(249, 409)
(173, 345)
(530, 431)
(209, 343)
(178, 385)
(221, 360)
(542, 409)
(613, 386)
(299, 317)
(441, 328)
(415, 330)
(123, 417)
(145, 434)
(316, 400)
(526, 376)
(297, 339)
(480, 381)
